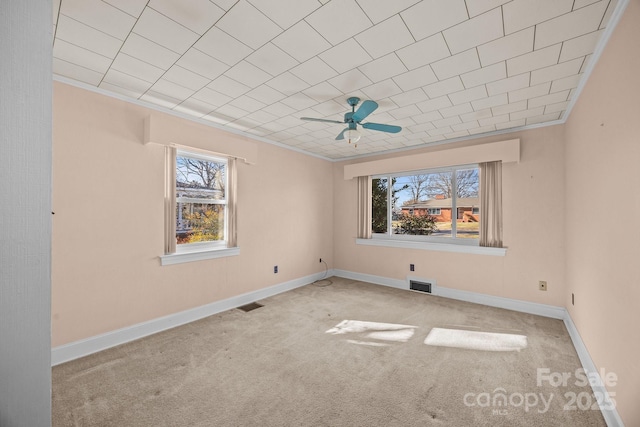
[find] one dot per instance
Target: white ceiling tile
(468, 95)
(279, 109)
(523, 114)
(580, 46)
(249, 25)
(435, 104)
(400, 113)
(456, 110)
(534, 60)
(211, 97)
(99, 15)
(247, 74)
(87, 37)
(554, 108)
(314, 71)
(444, 87)
(379, 10)
(288, 84)
(322, 92)
(484, 75)
(493, 120)
(345, 56)
(165, 87)
(441, 131)
(285, 13)
(422, 127)
(585, 64)
(475, 31)
(511, 124)
(458, 134)
(432, 16)
(529, 92)
(350, 81)
(228, 111)
(148, 51)
(383, 68)
(222, 46)
(195, 107)
(56, 10)
(426, 51)
(416, 78)
(482, 129)
(266, 94)
(607, 15)
(301, 42)
(218, 118)
(465, 126)
(272, 59)
(582, 3)
(76, 72)
(543, 118)
(197, 15)
(339, 20)
(202, 64)
(299, 101)
(134, 67)
(507, 47)
(456, 64)
(162, 30)
(159, 99)
(132, 7)
(247, 104)
(330, 107)
(126, 81)
(512, 83)
(79, 56)
(552, 98)
(520, 14)
(376, 40)
(384, 89)
(228, 86)
(489, 102)
(410, 97)
(570, 25)
(476, 115)
(509, 108)
(120, 90)
(565, 83)
(555, 72)
(186, 78)
(476, 7)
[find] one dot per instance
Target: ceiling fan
(354, 118)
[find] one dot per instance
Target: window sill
(431, 246)
(179, 258)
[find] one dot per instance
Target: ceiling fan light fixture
(352, 135)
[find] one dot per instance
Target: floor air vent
(414, 285)
(250, 307)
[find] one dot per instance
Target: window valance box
(167, 130)
(506, 151)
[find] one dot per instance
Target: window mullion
(389, 206)
(454, 204)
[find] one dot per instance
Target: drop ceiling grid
(441, 70)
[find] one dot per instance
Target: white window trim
(454, 245)
(197, 255)
(438, 210)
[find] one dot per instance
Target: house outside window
(431, 205)
(201, 201)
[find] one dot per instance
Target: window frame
(389, 236)
(436, 211)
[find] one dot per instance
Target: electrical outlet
(275, 269)
(412, 267)
(542, 285)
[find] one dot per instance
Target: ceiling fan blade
(341, 134)
(311, 119)
(381, 127)
(365, 109)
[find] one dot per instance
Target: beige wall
(533, 206)
(602, 163)
(108, 222)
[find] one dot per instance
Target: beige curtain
(170, 200)
(491, 204)
(364, 207)
(232, 196)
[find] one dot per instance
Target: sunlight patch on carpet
(473, 340)
(373, 330)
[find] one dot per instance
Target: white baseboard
(610, 415)
(85, 347)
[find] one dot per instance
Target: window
(200, 206)
(435, 204)
(201, 201)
